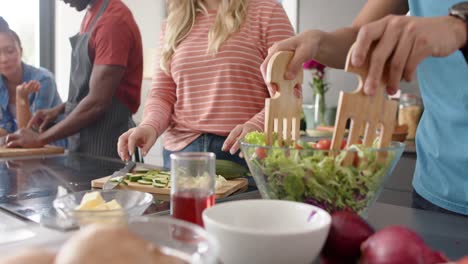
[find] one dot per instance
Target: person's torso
(46, 97)
(442, 139)
(217, 92)
(100, 137)
(129, 90)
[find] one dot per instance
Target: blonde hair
(181, 18)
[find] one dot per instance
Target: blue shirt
(441, 174)
(46, 97)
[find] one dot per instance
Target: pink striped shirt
(213, 93)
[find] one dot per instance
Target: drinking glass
(192, 185)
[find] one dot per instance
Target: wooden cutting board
(23, 152)
(230, 187)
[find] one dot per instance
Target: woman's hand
(24, 138)
(231, 143)
(25, 89)
(401, 43)
(42, 119)
(142, 136)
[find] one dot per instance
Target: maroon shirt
(116, 40)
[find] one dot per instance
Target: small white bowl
(267, 231)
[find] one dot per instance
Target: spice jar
(409, 113)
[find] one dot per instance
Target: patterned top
(213, 94)
(46, 97)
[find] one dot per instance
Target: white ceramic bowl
(267, 231)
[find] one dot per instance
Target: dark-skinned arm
(103, 83)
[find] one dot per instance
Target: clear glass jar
(320, 107)
(409, 113)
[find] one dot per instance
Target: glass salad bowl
(315, 176)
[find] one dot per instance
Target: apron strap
(98, 15)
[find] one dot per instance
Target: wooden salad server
(371, 116)
(283, 110)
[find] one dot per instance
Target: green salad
(303, 173)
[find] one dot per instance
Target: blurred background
(45, 26)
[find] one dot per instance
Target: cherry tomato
(260, 152)
(323, 144)
(313, 144)
(356, 161)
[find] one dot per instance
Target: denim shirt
(46, 97)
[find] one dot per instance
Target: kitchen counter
(28, 187)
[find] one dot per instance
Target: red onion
(398, 245)
(347, 232)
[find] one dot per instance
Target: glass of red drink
(192, 185)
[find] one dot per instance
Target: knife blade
(110, 184)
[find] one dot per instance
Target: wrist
(150, 128)
(460, 12)
(45, 138)
(460, 30)
(42, 139)
(61, 108)
(21, 97)
(320, 38)
(21, 100)
(465, 47)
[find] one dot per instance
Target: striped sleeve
(160, 102)
(278, 27)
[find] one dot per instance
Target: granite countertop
(28, 187)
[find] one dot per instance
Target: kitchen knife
(110, 184)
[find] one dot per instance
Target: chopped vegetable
(162, 179)
(230, 169)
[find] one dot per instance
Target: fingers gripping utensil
(371, 116)
(283, 110)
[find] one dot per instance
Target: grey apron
(100, 138)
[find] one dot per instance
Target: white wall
(67, 24)
(329, 15)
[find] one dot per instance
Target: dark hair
(3, 25)
(5, 28)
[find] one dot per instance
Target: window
(23, 18)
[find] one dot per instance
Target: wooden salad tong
(283, 110)
(371, 116)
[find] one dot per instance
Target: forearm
(158, 108)
(157, 116)
(334, 46)
(85, 114)
(23, 114)
(60, 108)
